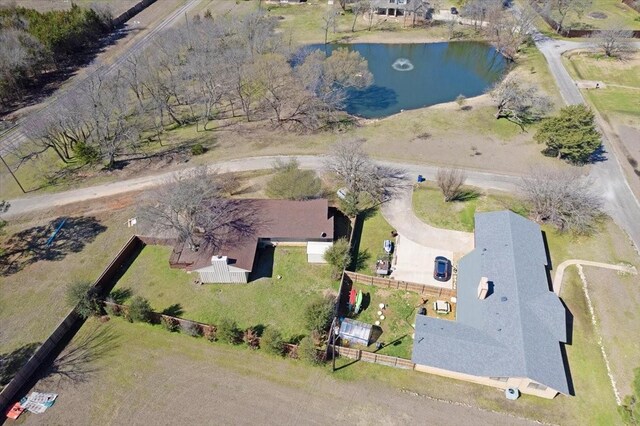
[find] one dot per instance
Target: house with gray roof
(510, 327)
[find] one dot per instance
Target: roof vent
(323, 235)
(503, 299)
(483, 288)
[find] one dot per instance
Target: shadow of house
(36, 244)
(275, 222)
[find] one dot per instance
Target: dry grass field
(117, 6)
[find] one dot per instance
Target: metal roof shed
(355, 331)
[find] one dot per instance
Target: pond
(409, 76)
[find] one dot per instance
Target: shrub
(272, 341)
(229, 332)
(318, 314)
(307, 351)
(83, 298)
(112, 310)
(139, 310)
(291, 183)
(210, 333)
(169, 324)
(191, 329)
(251, 338)
(338, 256)
(198, 149)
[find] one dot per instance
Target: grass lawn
(615, 11)
(399, 313)
(429, 205)
(620, 99)
(267, 302)
(32, 296)
(375, 229)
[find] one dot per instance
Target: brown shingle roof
(278, 220)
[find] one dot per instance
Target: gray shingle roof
(516, 331)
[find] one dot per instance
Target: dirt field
(139, 374)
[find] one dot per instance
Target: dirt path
(557, 280)
(316, 162)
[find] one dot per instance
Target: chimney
(483, 288)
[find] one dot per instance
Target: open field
(142, 374)
(615, 299)
(429, 205)
(266, 302)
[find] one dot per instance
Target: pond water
(409, 76)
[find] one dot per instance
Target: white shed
(316, 249)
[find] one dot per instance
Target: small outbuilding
(354, 331)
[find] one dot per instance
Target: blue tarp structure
(355, 331)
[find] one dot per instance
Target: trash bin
(421, 179)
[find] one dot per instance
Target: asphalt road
(12, 138)
(608, 177)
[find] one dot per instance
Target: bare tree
(564, 7)
(563, 199)
(364, 180)
(614, 40)
(358, 8)
(328, 22)
(508, 29)
(450, 182)
(190, 207)
(370, 12)
(519, 102)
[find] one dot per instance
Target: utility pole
(14, 176)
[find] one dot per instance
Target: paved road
(46, 201)
(609, 179)
(13, 138)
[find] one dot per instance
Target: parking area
(413, 262)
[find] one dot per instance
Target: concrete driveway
(413, 262)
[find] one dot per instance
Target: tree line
(33, 43)
(204, 73)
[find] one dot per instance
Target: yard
(601, 13)
(369, 239)
(266, 302)
(619, 99)
(141, 371)
(429, 205)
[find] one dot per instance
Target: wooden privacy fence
(424, 289)
(67, 328)
(390, 361)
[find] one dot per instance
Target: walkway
(557, 280)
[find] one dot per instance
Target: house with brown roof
(280, 222)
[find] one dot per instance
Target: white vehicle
(342, 193)
(388, 246)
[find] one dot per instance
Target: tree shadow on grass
(30, 245)
(120, 295)
(11, 362)
(360, 260)
(76, 362)
(466, 195)
(174, 310)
